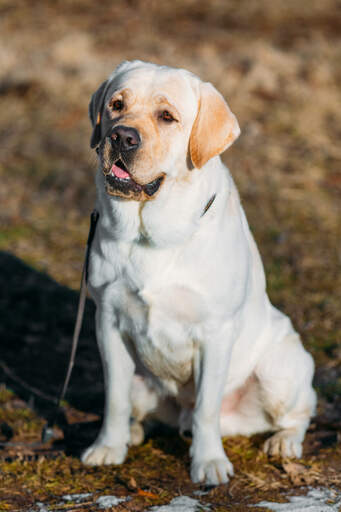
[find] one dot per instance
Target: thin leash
(47, 432)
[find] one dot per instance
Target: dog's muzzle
(120, 146)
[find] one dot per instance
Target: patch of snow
(110, 501)
(77, 497)
(181, 504)
(317, 500)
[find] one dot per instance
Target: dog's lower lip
(153, 186)
(118, 177)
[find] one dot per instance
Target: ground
(278, 65)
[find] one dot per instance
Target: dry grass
(278, 64)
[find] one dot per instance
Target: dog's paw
(136, 433)
(284, 444)
(211, 472)
(99, 454)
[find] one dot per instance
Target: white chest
(150, 309)
(161, 338)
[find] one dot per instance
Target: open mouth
(119, 181)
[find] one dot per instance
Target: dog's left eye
(166, 116)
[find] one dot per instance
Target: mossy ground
(278, 64)
(153, 473)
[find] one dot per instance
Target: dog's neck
(172, 217)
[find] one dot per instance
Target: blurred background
(277, 64)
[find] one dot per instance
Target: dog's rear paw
(211, 472)
(136, 433)
(284, 444)
(98, 454)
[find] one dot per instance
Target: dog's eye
(166, 116)
(117, 105)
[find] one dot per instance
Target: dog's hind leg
(148, 407)
(242, 412)
(285, 375)
(144, 399)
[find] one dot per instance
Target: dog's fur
(186, 331)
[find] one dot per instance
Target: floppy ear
(95, 112)
(215, 127)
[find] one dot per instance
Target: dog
(186, 331)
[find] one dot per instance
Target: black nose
(125, 138)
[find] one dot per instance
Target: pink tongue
(120, 173)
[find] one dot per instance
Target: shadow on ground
(38, 317)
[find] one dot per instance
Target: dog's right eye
(117, 105)
(167, 116)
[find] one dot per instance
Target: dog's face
(151, 123)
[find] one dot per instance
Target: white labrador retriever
(185, 328)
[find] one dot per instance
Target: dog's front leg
(209, 462)
(112, 442)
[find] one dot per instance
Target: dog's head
(152, 122)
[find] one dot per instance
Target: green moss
(5, 394)
(10, 234)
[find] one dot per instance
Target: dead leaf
(146, 494)
(299, 474)
(132, 483)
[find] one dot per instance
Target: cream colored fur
(185, 328)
